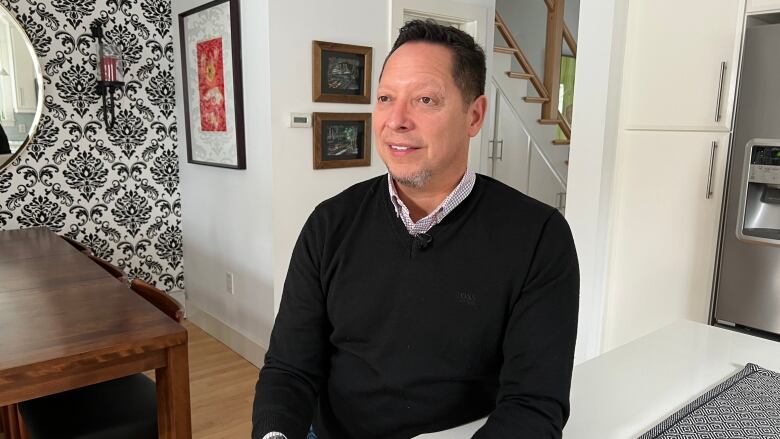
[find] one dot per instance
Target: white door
(544, 183)
(472, 19)
(675, 53)
(665, 230)
(510, 146)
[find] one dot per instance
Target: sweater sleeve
(295, 365)
(538, 346)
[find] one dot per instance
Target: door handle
(501, 151)
(720, 90)
(491, 143)
(712, 166)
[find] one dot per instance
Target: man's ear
(477, 111)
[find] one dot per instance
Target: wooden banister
(567, 35)
(570, 41)
(564, 125)
(552, 59)
(520, 56)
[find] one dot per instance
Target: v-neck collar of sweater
(423, 225)
(405, 239)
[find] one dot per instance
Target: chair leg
(22, 428)
(13, 422)
(3, 422)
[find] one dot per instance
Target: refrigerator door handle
(712, 166)
(720, 90)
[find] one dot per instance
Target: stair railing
(547, 88)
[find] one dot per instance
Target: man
(431, 297)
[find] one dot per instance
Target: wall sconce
(110, 76)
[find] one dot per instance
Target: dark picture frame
(217, 139)
(342, 140)
(341, 73)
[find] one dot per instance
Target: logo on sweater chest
(466, 298)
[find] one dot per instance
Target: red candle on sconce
(108, 68)
(110, 72)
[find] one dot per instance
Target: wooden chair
(125, 408)
(79, 246)
(162, 301)
(112, 269)
(11, 424)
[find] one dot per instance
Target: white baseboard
(179, 296)
(242, 345)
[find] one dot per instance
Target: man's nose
(399, 118)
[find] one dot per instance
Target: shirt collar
(461, 191)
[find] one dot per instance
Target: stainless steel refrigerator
(747, 277)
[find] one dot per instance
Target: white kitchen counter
(628, 390)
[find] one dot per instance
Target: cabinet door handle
(560, 201)
(492, 147)
(712, 166)
(501, 151)
(720, 90)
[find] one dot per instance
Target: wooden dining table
(66, 323)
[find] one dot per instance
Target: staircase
(546, 87)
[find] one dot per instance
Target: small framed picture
(210, 38)
(341, 73)
(342, 140)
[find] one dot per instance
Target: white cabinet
(762, 6)
(516, 160)
(544, 184)
(680, 63)
(665, 228)
(510, 146)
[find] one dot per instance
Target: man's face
(421, 122)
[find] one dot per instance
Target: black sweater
(382, 336)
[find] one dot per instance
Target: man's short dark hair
(468, 59)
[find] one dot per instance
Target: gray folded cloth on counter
(746, 405)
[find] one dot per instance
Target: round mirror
(21, 88)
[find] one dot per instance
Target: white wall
(591, 164)
(299, 188)
(227, 213)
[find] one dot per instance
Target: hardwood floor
(222, 387)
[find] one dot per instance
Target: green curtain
(566, 96)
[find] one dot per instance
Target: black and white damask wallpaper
(115, 190)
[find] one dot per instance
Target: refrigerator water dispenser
(759, 208)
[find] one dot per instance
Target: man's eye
(426, 100)
(383, 98)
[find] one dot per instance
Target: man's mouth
(399, 150)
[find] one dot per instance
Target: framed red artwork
(210, 38)
(211, 85)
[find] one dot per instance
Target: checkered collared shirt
(461, 191)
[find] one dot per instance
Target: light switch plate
(300, 120)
